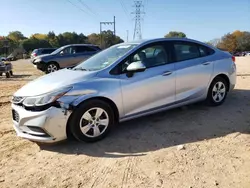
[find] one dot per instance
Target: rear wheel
(11, 73)
(51, 67)
(92, 121)
(217, 92)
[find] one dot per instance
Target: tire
(85, 123)
(11, 73)
(217, 92)
(7, 75)
(1, 74)
(51, 67)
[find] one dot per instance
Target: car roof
(148, 41)
(80, 45)
(162, 39)
(45, 48)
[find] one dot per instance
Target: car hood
(44, 56)
(54, 81)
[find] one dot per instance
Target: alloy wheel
(52, 68)
(219, 91)
(94, 122)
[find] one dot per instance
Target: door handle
(206, 63)
(166, 73)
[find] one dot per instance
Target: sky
(202, 20)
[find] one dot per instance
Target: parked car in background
(41, 51)
(66, 56)
(247, 54)
(237, 54)
(2, 58)
(123, 82)
(5, 68)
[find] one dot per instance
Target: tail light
(34, 54)
(233, 59)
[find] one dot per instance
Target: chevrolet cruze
(123, 82)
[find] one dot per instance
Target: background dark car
(66, 56)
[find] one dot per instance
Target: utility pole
(137, 30)
(107, 23)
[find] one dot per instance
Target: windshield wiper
(80, 68)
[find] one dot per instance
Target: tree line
(236, 41)
(16, 39)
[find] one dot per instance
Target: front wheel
(52, 67)
(217, 92)
(91, 121)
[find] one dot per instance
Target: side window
(82, 49)
(185, 51)
(91, 49)
(151, 56)
(205, 51)
(69, 50)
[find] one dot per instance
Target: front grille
(17, 100)
(15, 116)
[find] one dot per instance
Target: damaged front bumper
(46, 126)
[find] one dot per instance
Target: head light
(38, 60)
(45, 99)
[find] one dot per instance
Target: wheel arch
(105, 99)
(225, 77)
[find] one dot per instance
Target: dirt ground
(194, 146)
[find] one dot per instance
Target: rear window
(96, 47)
(35, 51)
(205, 51)
(48, 51)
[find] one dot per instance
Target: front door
(155, 87)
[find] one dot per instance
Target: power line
(124, 9)
(87, 7)
(79, 8)
(76, 6)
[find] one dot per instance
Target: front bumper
(47, 126)
(40, 65)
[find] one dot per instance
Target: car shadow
(183, 125)
(23, 77)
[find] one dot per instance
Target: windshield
(105, 57)
(58, 50)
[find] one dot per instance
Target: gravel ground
(193, 146)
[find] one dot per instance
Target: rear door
(193, 70)
(66, 58)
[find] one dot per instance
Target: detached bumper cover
(47, 126)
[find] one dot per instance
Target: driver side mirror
(133, 67)
(61, 52)
(137, 66)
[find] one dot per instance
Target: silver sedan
(123, 82)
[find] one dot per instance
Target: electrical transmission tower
(138, 12)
